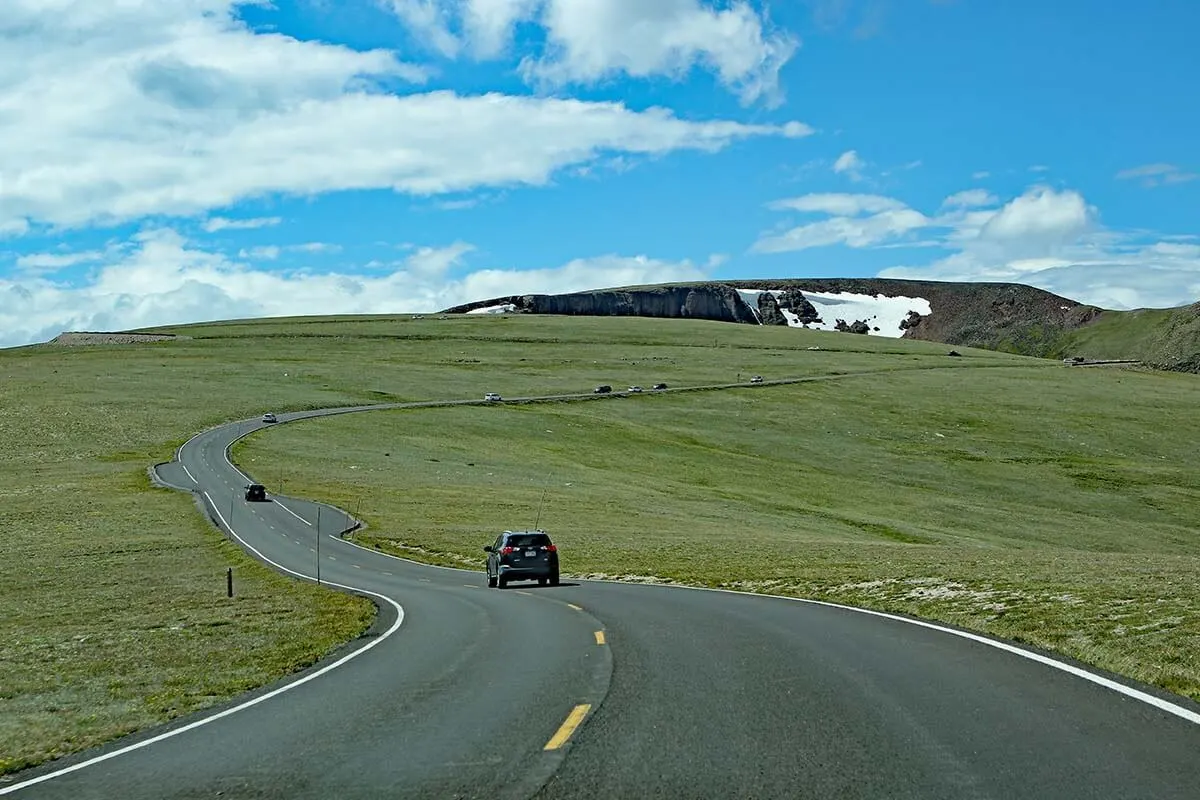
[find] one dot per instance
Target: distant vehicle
(256, 492)
(269, 417)
(605, 389)
(522, 556)
(491, 397)
(658, 387)
(756, 379)
(635, 389)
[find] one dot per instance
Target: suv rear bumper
(545, 571)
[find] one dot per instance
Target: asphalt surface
(458, 691)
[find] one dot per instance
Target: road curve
(458, 691)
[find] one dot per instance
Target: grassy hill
(1011, 495)
(1167, 338)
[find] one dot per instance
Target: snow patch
(503, 308)
(750, 296)
(878, 311)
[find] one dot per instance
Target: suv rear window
(529, 540)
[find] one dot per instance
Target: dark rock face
(911, 321)
(768, 310)
(702, 301)
(858, 326)
(798, 304)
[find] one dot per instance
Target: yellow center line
(573, 721)
(599, 637)
(572, 605)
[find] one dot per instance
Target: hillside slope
(1008, 317)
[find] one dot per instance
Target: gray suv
(522, 556)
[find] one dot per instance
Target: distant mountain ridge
(1011, 317)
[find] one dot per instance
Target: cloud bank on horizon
(208, 159)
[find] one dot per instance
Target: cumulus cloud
(851, 231)
(856, 220)
(1053, 240)
(591, 40)
(163, 278)
(120, 109)
(1044, 237)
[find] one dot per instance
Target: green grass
(113, 591)
(1161, 336)
(1052, 506)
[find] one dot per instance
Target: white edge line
(279, 503)
(1070, 669)
(189, 473)
(230, 711)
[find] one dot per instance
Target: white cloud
(1155, 174)
(264, 253)
(119, 109)
(590, 40)
(1051, 239)
(851, 231)
(837, 204)
(850, 164)
(315, 247)
(164, 279)
(431, 20)
(981, 174)
(52, 262)
(1040, 220)
(214, 224)
(971, 198)
(1039, 168)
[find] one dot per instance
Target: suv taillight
(550, 548)
(505, 551)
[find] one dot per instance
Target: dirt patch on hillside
(81, 338)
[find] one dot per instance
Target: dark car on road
(522, 556)
(658, 387)
(256, 492)
(605, 389)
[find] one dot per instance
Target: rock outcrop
(712, 301)
(768, 310)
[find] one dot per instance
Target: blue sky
(172, 162)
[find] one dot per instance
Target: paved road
(458, 691)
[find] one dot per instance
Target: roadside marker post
(229, 582)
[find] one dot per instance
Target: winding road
(608, 690)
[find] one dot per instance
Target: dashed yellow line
(599, 637)
(572, 605)
(573, 721)
(527, 594)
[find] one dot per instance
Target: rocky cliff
(714, 301)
